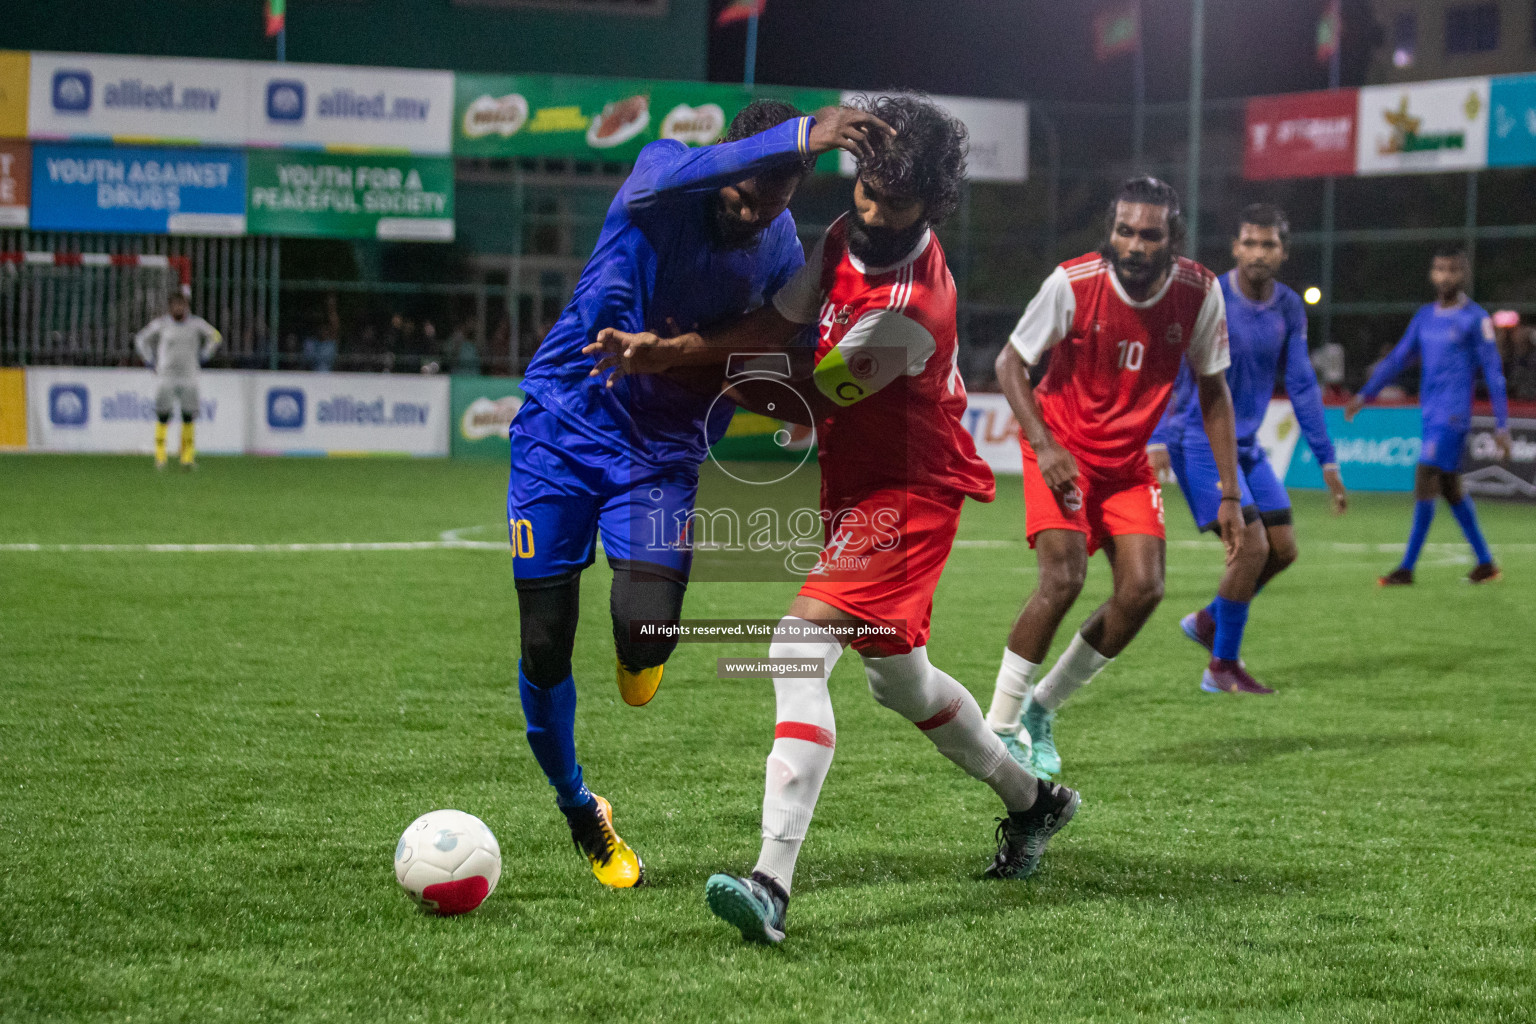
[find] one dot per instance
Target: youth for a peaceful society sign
(400, 198)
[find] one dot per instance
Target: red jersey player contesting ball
(1118, 324)
(896, 467)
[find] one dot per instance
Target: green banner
(339, 195)
(601, 118)
(483, 408)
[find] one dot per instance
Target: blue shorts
(1263, 494)
(565, 489)
(1443, 446)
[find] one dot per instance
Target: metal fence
(88, 315)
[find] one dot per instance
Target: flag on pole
(1328, 28)
(277, 11)
(1117, 31)
(740, 10)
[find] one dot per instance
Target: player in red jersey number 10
(1118, 324)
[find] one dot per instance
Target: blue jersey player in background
(1267, 330)
(695, 237)
(1451, 338)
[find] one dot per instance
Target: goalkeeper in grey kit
(175, 346)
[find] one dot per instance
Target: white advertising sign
(313, 105)
(999, 137)
(1422, 127)
(996, 433)
(86, 96)
(338, 413)
(1278, 435)
(166, 99)
(83, 409)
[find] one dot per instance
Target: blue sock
(1423, 515)
(1466, 515)
(1231, 617)
(551, 715)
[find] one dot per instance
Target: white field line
(260, 549)
(453, 540)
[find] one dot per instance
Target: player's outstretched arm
(670, 169)
(1057, 466)
(620, 352)
(1390, 367)
(1306, 397)
(1221, 428)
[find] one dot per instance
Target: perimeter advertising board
(138, 189)
(483, 408)
(1422, 127)
(1485, 476)
(15, 184)
(1377, 452)
(398, 198)
(316, 106)
(80, 409)
(92, 97)
(1300, 135)
(1512, 124)
(347, 413)
(598, 118)
(89, 96)
(15, 71)
(997, 131)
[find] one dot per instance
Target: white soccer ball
(448, 862)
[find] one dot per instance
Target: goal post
(82, 307)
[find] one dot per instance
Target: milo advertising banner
(598, 118)
(482, 410)
(336, 195)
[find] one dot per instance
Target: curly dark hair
(759, 116)
(926, 158)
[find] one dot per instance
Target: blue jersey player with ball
(695, 237)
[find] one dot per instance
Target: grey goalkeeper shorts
(172, 394)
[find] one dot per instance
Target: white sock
(803, 740)
(1076, 667)
(1014, 677)
(948, 715)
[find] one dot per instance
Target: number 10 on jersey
(1130, 354)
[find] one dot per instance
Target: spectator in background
(1328, 362)
(1517, 351)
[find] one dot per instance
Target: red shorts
(1103, 505)
(882, 561)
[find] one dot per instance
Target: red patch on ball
(458, 897)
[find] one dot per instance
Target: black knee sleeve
(188, 417)
(639, 595)
(547, 610)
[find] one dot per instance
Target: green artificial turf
(206, 759)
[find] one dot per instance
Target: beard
(729, 230)
(880, 247)
(1137, 271)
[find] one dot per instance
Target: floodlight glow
(1313, 295)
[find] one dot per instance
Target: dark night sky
(1034, 49)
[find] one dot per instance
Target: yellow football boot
(637, 688)
(613, 862)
